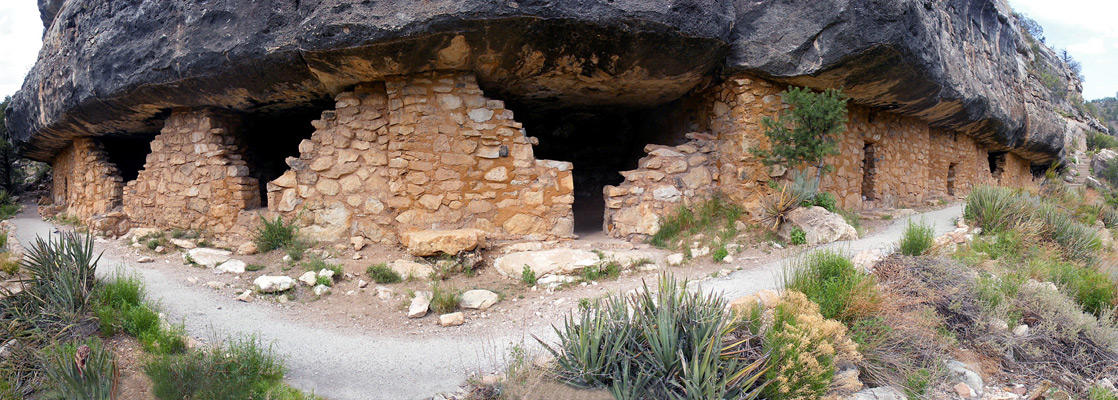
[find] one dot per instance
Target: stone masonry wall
(195, 176)
(913, 162)
(423, 152)
(85, 181)
(665, 179)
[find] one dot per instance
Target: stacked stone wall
(195, 176)
(913, 162)
(423, 152)
(665, 179)
(85, 182)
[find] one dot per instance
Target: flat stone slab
(544, 262)
(479, 299)
(432, 242)
(208, 257)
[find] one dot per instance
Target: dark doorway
(951, 179)
(128, 153)
(869, 170)
(600, 143)
(997, 163)
(269, 138)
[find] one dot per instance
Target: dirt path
(767, 275)
(342, 364)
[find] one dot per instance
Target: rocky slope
(118, 68)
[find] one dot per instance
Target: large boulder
(272, 284)
(432, 242)
(820, 225)
(544, 262)
(1101, 161)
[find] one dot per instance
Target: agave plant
(62, 271)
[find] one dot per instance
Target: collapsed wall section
(426, 151)
(85, 182)
(195, 176)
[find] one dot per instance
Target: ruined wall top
(119, 67)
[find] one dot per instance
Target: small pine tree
(807, 132)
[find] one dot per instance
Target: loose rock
(208, 257)
(233, 266)
(556, 261)
(452, 319)
(432, 242)
(320, 290)
(272, 284)
(419, 305)
(479, 299)
(309, 278)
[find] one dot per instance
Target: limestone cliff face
(121, 67)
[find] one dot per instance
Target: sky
(1088, 29)
(21, 35)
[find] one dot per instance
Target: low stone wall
(423, 152)
(195, 176)
(85, 182)
(665, 179)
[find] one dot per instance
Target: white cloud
(1091, 46)
(21, 33)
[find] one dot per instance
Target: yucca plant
(775, 208)
(997, 209)
(80, 370)
(62, 274)
(1079, 241)
(664, 344)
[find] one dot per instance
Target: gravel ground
(342, 364)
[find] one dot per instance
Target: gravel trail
(339, 365)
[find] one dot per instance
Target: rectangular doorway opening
(951, 179)
(997, 163)
(869, 171)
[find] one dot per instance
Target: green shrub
(826, 200)
(720, 253)
(322, 280)
(803, 347)
(673, 344)
(528, 276)
(917, 238)
(1101, 393)
(797, 236)
(1097, 140)
(829, 279)
(444, 300)
(238, 369)
(95, 380)
(603, 270)
(275, 234)
(714, 216)
(381, 273)
(1004, 244)
(807, 132)
(254, 267)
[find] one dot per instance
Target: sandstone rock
(183, 243)
(320, 290)
(820, 225)
(247, 248)
(478, 299)
(966, 375)
(208, 257)
(432, 242)
(452, 319)
(551, 281)
(544, 262)
(866, 259)
(232, 266)
(144, 260)
(326, 273)
(411, 269)
(245, 296)
(215, 285)
(384, 293)
(361, 283)
(1102, 160)
(879, 393)
(358, 242)
(964, 390)
(309, 278)
(674, 259)
(1021, 330)
(272, 284)
(419, 305)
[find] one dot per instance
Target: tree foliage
(1031, 27)
(806, 133)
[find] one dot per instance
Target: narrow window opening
(951, 179)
